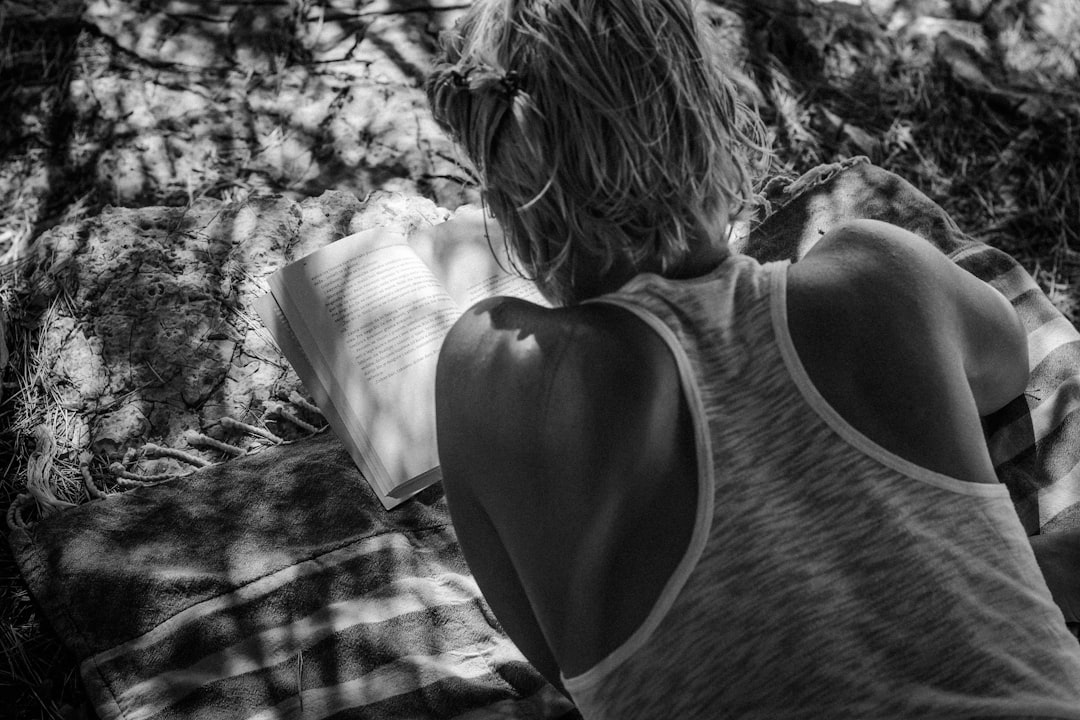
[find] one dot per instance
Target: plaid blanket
(274, 585)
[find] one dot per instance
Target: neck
(701, 260)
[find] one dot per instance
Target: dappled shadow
(981, 112)
(166, 102)
(171, 104)
(183, 104)
(42, 173)
(277, 582)
(150, 333)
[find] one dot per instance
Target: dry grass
(983, 117)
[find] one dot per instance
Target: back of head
(606, 138)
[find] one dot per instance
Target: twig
(92, 29)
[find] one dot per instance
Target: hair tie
(460, 79)
(510, 84)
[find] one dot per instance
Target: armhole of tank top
(702, 518)
(832, 418)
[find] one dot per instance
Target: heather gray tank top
(825, 576)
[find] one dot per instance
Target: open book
(362, 320)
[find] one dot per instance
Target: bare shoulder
(867, 287)
(862, 254)
(897, 287)
(906, 345)
(528, 379)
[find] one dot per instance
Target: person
(701, 486)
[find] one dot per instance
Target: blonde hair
(604, 134)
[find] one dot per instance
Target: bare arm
(470, 351)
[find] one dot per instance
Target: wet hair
(604, 133)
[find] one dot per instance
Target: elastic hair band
(508, 85)
(460, 79)
(511, 84)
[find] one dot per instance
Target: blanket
(274, 585)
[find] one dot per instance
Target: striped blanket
(1035, 440)
(275, 586)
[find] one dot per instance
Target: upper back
(839, 572)
(668, 471)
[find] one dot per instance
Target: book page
(466, 253)
(377, 317)
(362, 321)
(352, 435)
